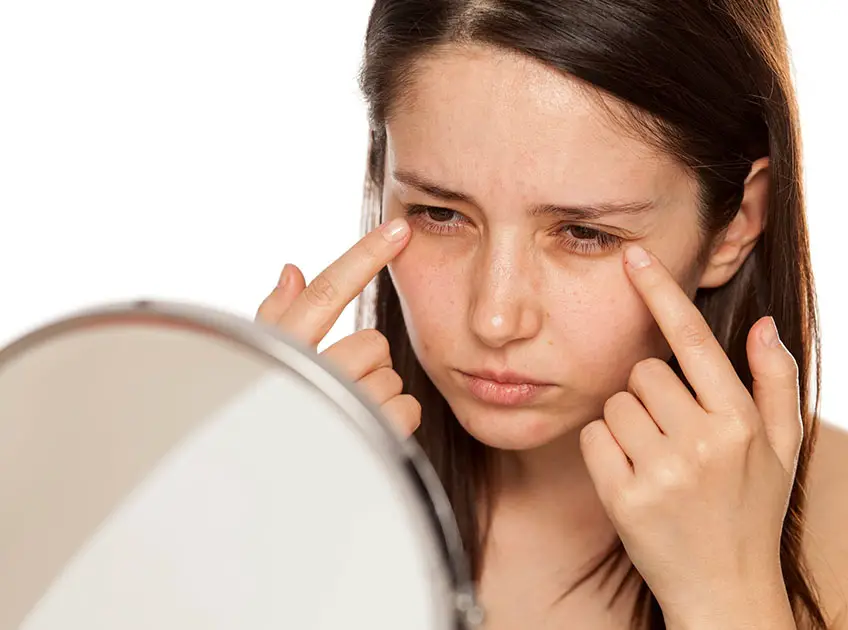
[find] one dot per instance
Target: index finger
(701, 357)
(316, 309)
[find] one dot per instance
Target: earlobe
(732, 247)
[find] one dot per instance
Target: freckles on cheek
(606, 330)
(417, 279)
(631, 334)
(429, 293)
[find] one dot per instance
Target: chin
(511, 429)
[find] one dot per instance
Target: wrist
(744, 608)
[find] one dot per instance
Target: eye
(577, 238)
(434, 219)
(586, 240)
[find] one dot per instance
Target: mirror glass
(158, 473)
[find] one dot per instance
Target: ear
(733, 246)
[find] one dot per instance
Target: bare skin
(484, 284)
(826, 542)
(520, 582)
(307, 313)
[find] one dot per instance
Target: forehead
(480, 117)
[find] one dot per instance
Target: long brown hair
(707, 81)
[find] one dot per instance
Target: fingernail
(637, 257)
(284, 277)
(395, 230)
(769, 334)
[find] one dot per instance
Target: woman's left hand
(698, 488)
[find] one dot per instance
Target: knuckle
(673, 473)
(791, 372)
(704, 450)
(376, 341)
(645, 370)
(321, 292)
(414, 405)
(791, 365)
(694, 335)
(343, 361)
(391, 381)
(591, 432)
(617, 402)
(374, 347)
(783, 374)
(397, 380)
(382, 385)
(739, 434)
(370, 248)
(407, 412)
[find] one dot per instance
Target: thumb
(289, 286)
(776, 391)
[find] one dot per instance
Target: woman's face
(517, 265)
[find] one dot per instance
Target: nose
(506, 306)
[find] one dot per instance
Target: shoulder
(826, 537)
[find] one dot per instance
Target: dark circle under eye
(440, 215)
(583, 233)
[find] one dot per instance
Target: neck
(553, 478)
(546, 506)
(548, 533)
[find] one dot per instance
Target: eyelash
(600, 241)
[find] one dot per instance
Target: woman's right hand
(308, 312)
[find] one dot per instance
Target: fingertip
(764, 337)
(606, 463)
(284, 276)
(768, 358)
(591, 432)
(636, 257)
(396, 230)
(289, 285)
(769, 335)
(296, 280)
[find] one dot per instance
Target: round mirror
(173, 467)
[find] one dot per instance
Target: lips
(503, 388)
(508, 378)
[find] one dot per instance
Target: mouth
(503, 388)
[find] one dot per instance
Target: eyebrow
(580, 212)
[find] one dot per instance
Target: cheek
(603, 328)
(431, 294)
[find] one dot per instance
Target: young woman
(594, 294)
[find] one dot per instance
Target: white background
(186, 150)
